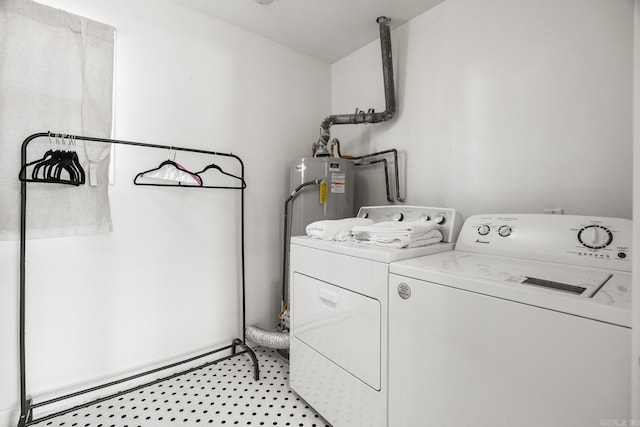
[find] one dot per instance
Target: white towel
(423, 239)
(336, 229)
(394, 229)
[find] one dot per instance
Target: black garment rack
(26, 404)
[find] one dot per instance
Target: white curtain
(56, 74)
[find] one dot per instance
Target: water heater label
(334, 167)
(337, 182)
(323, 192)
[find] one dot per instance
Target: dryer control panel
(448, 220)
(570, 239)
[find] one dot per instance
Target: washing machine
(527, 323)
(338, 340)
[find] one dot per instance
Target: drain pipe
(370, 116)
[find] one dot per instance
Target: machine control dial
(595, 236)
(483, 230)
(399, 216)
(504, 230)
(438, 219)
(425, 217)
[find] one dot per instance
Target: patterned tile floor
(223, 394)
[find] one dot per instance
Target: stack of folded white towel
(410, 234)
(393, 234)
(337, 229)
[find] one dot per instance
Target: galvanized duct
(370, 116)
(272, 339)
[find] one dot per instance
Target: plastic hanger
(218, 168)
(72, 163)
(67, 161)
(168, 171)
(40, 163)
(51, 166)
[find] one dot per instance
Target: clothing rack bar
(129, 378)
(30, 138)
(26, 404)
(124, 142)
(246, 350)
(126, 391)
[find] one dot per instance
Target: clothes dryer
(338, 343)
(527, 323)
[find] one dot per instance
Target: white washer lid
(606, 296)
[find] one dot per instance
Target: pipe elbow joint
(325, 125)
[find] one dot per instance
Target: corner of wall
(635, 369)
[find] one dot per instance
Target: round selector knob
(595, 236)
(438, 219)
(483, 230)
(399, 216)
(504, 230)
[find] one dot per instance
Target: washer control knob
(504, 230)
(438, 219)
(397, 216)
(483, 230)
(595, 236)
(425, 217)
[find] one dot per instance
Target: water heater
(309, 206)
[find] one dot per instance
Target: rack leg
(247, 349)
(27, 416)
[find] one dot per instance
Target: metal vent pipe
(369, 116)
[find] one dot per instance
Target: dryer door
(341, 325)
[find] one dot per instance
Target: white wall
(503, 106)
(509, 106)
(165, 282)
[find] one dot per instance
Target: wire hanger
(168, 172)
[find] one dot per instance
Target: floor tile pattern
(223, 394)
